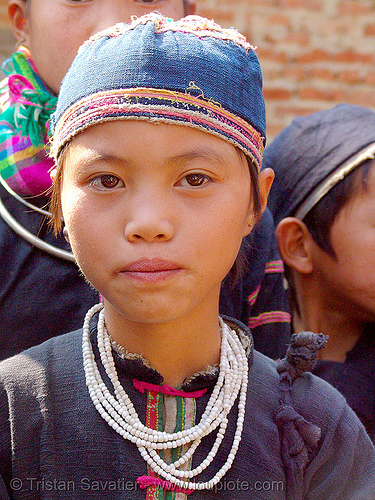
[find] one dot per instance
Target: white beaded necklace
(118, 410)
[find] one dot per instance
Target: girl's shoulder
(52, 360)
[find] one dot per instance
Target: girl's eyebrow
(205, 153)
(90, 156)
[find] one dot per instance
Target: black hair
(319, 220)
(239, 265)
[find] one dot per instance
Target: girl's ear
(295, 244)
(18, 19)
(265, 179)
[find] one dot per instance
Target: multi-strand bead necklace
(119, 412)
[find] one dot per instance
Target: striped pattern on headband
(158, 105)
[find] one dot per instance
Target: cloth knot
(300, 436)
(301, 355)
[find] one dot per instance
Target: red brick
(334, 26)
(370, 30)
(310, 93)
(273, 130)
(370, 78)
(225, 18)
(296, 73)
(249, 36)
(302, 4)
(265, 4)
(279, 19)
(363, 98)
(350, 77)
(273, 72)
(272, 55)
(300, 39)
(351, 56)
(315, 55)
(323, 74)
(295, 110)
(277, 93)
(354, 8)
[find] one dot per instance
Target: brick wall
(314, 53)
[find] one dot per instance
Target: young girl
(158, 138)
(38, 265)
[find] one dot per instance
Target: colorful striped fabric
(274, 266)
(253, 296)
(26, 106)
(268, 317)
(171, 414)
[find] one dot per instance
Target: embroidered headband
(190, 72)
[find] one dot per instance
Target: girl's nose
(149, 222)
(148, 231)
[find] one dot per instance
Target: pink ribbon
(166, 389)
(17, 85)
(146, 481)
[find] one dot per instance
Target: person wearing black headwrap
(323, 202)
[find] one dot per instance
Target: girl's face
(53, 30)
(156, 215)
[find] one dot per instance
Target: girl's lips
(151, 266)
(151, 270)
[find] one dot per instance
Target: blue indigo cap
(190, 72)
(314, 153)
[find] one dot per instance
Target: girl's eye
(106, 181)
(194, 180)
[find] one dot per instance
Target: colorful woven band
(158, 105)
